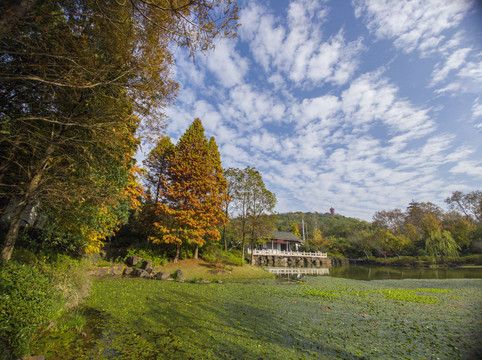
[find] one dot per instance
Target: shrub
(157, 257)
(28, 300)
(34, 291)
(216, 255)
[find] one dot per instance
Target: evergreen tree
(192, 193)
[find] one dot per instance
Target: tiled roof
(283, 235)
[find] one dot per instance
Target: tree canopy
(191, 190)
(75, 77)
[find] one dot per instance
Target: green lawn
(321, 318)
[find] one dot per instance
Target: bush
(34, 291)
(157, 257)
(28, 300)
(214, 254)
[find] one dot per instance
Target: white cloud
(454, 62)
(417, 24)
(371, 98)
(227, 65)
(477, 108)
(467, 167)
(296, 48)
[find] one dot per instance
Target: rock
(128, 271)
(204, 282)
(219, 282)
(104, 271)
(161, 275)
(116, 270)
(140, 273)
(179, 275)
(147, 266)
(37, 357)
(133, 260)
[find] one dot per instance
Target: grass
(200, 269)
(320, 318)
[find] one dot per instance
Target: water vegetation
(319, 317)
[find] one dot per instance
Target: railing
(299, 271)
(269, 252)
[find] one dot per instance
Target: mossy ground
(320, 318)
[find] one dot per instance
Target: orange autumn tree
(191, 193)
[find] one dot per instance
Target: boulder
(133, 260)
(128, 271)
(161, 275)
(116, 270)
(140, 273)
(180, 275)
(147, 266)
(104, 271)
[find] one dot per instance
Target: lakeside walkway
(298, 271)
(269, 252)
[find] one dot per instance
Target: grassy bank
(426, 261)
(199, 269)
(331, 318)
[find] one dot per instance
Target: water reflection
(379, 272)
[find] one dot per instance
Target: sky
(359, 105)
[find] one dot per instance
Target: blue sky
(360, 105)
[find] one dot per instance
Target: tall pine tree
(191, 194)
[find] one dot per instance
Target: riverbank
(322, 317)
(421, 261)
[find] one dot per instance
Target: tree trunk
(25, 201)
(224, 238)
(368, 258)
(13, 230)
(196, 252)
(178, 251)
(252, 253)
(243, 244)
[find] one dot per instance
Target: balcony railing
(269, 252)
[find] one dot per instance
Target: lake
(365, 272)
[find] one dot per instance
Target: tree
(253, 204)
(392, 220)
(438, 241)
(192, 193)
(73, 75)
(157, 164)
(319, 241)
(469, 204)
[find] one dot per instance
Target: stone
(101, 271)
(219, 281)
(133, 260)
(161, 275)
(147, 266)
(36, 357)
(180, 275)
(116, 270)
(128, 271)
(140, 273)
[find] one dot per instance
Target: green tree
(192, 193)
(73, 75)
(253, 204)
(469, 204)
(438, 242)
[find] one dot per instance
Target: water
(364, 272)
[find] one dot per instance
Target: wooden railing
(269, 252)
(299, 271)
